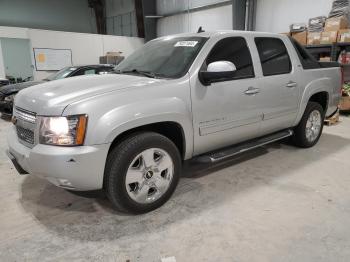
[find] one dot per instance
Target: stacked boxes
(332, 27)
(301, 37)
(314, 38)
(329, 37)
(336, 29)
(343, 36)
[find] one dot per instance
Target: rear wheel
(309, 130)
(142, 172)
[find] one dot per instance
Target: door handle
(252, 91)
(291, 84)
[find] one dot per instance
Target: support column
(150, 24)
(251, 12)
(238, 14)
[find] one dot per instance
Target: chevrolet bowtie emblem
(14, 120)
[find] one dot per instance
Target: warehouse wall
(62, 15)
(276, 16)
(219, 18)
(86, 48)
(2, 67)
(121, 18)
(165, 7)
(272, 15)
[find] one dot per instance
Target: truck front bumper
(75, 168)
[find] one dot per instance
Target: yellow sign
(41, 58)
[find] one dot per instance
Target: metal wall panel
(276, 16)
(219, 18)
(166, 7)
(121, 18)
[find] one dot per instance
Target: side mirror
(217, 71)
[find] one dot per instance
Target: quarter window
(235, 50)
(274, 56)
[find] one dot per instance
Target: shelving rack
(333, 51)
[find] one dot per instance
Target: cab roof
(210, 34)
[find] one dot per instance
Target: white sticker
(186, 43)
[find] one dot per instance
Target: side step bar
(243, 147)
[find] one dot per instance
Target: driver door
(226, 111)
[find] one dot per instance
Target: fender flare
(131, 116)
(316, 86)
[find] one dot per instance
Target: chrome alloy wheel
(313, 126)
(149, 175)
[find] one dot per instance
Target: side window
(274, 56)
(85, 71)
(104, 70)
(90, 72)
(235, 50)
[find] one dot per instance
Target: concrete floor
(278, 203)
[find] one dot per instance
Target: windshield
(168, 58)
(60, 74)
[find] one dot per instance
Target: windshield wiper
(139, 72)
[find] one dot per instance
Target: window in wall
(235, 50)
(273, 56)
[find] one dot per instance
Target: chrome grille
(25, 115)
(25, 134)
(25, 126)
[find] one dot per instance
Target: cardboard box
(314, 38)
(344, 35)
(345, 103)
(300, 37)
(113, 60)
(287, 33)
(329, 37)
(336, 23)
(325, 59)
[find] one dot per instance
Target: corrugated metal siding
(165, 7)
(219, 18)
(121, 18)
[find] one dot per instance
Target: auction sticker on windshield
(186, 43)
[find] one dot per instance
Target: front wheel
(142, 172)
(309, 130)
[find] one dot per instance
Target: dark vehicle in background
(4, 82)
(8, 92)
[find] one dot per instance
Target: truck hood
(53, 97)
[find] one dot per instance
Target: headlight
(63, 131)
(9, 98)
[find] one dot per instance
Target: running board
(223, 154)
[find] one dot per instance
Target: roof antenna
(200, 30)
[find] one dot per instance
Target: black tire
(118, 161)
(299, 138)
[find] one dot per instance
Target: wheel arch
(321, 98)
(170, 129)
(317, 91)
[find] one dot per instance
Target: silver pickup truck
(205, 95)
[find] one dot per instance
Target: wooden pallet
(332, 120)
